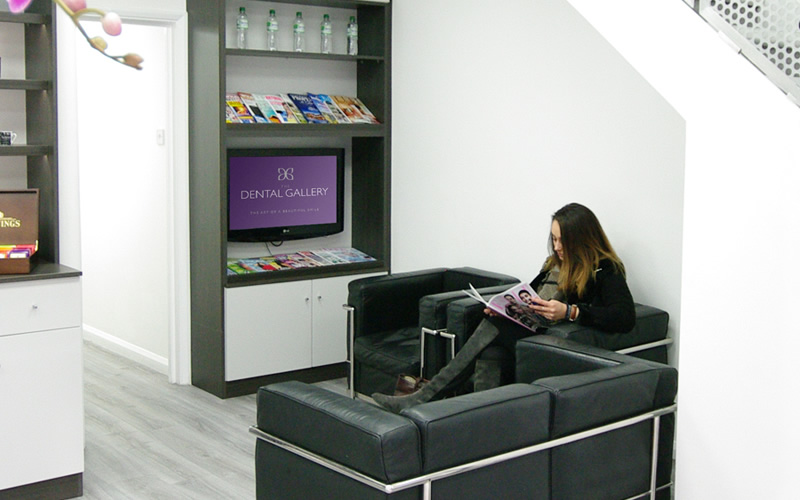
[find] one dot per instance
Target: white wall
(170, 13)
(737, 434)
(154, 9)
(124, 196)
(492, 135)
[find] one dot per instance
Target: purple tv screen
(282, 190)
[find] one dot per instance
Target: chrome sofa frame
(426, 480)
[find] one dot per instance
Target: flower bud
(75, 5)
(112, 24)
(133, 60)
(99, 43)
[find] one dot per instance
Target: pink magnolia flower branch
(111, 22)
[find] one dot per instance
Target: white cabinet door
(329, 337)
(329, 324)
(41, 409)
(267, 329)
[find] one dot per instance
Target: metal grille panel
(766, 31)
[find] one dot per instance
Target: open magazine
(513, 304)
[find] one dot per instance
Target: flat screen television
(285, 194)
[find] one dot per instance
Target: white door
(124, 165)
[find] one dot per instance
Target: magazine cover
(230, 115)
(307, 107)
(513, 304)
(252, 106)
(323, 108)
(321, 261)
(327, 101)
(344, 255)
(292, 109)
(235, 102)
(269, 112)
(365, 111)
(349, 108)
(276, 101)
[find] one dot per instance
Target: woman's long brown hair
(585, 244)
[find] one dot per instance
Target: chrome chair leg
(351, 387)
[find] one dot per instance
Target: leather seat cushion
(391, 352)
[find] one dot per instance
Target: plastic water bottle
(241, 29)
(299, 33)
(326, 34)
(352, 37)
(272, 31)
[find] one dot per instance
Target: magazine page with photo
(515, 304)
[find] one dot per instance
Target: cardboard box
(19, 225)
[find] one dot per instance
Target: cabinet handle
(319, 298)
(35, 307)
(308, 299)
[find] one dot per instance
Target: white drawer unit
(33, 306)
(41, 387)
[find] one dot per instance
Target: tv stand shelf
(304, 274)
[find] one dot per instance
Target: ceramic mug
(7, 137)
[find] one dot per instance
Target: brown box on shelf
(19, 225)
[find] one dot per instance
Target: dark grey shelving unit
(41, 148)
(210, 136)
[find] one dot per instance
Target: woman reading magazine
(582, 280)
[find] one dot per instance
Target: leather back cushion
(368, 439)
(481, 424)
(392, 301)
(461, 277)
(651, 325)
(478, 425)
(616, 463)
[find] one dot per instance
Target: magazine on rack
(513, 304)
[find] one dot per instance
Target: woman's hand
(552, 310)
(489, 312)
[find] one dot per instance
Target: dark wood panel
(53, 489)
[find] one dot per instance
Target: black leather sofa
(579, 424)
(647, 340)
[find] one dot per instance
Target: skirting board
(126, 349)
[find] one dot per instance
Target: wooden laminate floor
(149, 439)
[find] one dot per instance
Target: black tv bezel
(287, 233)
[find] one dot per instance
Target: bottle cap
(299, 13)
(271, 12)
(241, 9)
(352, 19)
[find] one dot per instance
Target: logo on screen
(285, 174)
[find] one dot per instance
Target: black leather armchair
(387, 314)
